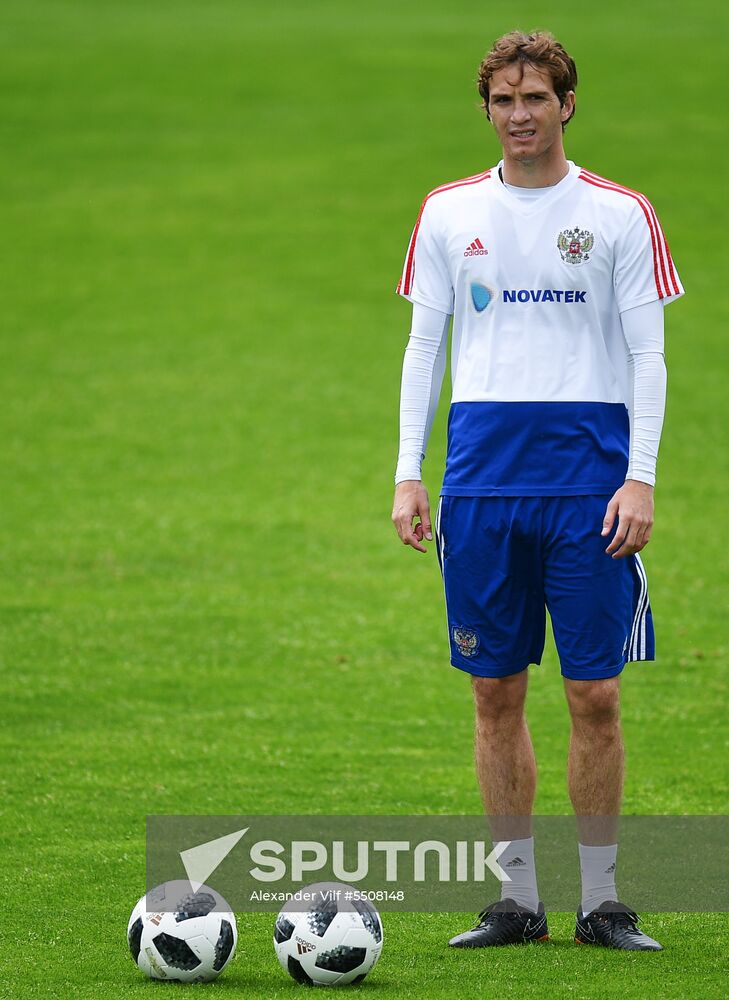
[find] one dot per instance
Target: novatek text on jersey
(544, 295)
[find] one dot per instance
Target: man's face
(525, 111)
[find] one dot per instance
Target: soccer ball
(327, 940)
(176, 934)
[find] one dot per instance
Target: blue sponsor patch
(480, 295)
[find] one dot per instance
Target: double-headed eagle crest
(466, 640)
(574, 245)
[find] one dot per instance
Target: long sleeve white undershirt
(424, 366)
(643, 332)
(422, 377)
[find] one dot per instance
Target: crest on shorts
(575, 245)
(466, 640)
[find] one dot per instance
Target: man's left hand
(632, 505)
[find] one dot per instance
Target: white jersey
(539, 361)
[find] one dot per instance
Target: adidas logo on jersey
(476, 249)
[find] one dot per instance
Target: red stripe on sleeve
(410, 264)
(405, 284)
(661, 251)
(609, 186)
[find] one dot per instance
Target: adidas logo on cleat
(476, 249)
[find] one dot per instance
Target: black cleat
(613, 925)
(504, 922)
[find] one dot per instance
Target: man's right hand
(411, 502)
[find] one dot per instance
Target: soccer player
(555, 279)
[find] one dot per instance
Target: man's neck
(535, 173)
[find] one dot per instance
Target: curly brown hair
(541, 50)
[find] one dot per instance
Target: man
(556, 280)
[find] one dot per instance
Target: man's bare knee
(497, 697)
(594, 702)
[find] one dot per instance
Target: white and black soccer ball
(177, 934)
(328, 941)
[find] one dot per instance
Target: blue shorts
(507, 560)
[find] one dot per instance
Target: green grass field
(205, 211)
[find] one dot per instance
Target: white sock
(597, 865)
(518, 863)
